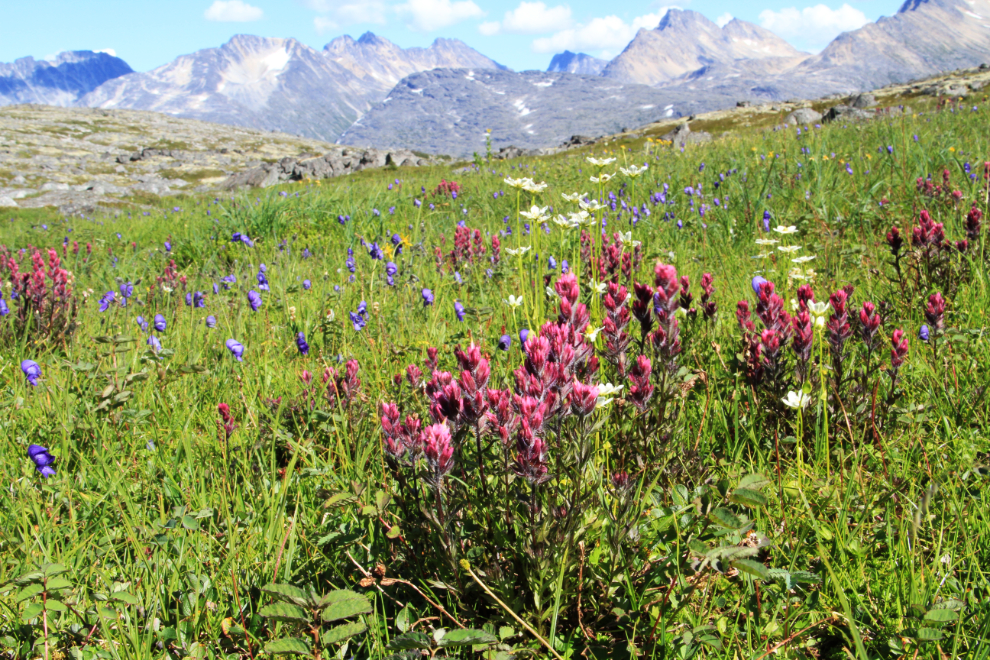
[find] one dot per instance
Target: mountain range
(371, 92)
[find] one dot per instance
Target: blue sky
(518, 33)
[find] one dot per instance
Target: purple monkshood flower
(126, 290)
(4, 310)
(156, 345)
(351, 266)
(376, 252)
(168, 246)
(362, 308)
(396, 239)
(766, 221)
(757, 282)
(307, 285)
(391, 269)
(504, 342)
(262, 279)
(552, 263)
(523, 336)
(236, 349)
(141, 322)
(565, 267)
(254, 299)
(427, 297)
(160, 323)
(31, 371)
(306, 254)
(216, 288)
(42, 460)
(358, 321)
(301, 344)
(228, 280)
(459, 310)
(923, 333)
(198, 299)
(189, 299)
(243, 238)
(211, 321)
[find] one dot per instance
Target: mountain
(568, 62)
(280, 84)
(924, 37)
(686, 41)
(448, 110)
(59, 82)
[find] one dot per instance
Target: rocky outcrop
(580, 63)
(803, 117)
(683, 135)
(336, 162)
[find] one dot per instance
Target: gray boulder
(803, 117)
(7, 202)
(863, 101)
(847, 113)
(683, 135)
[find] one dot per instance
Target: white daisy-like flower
(797, 400)
(602, 178)
(781, 229)
(517, 251)
(598, 287)
(591, 205)
(600, 162)
(761, 256)
(535, 187)
(562, 221)
(535, 213)
(573, 197)
(551, 293)
(513, 301)
(788, 248)
(514, 183)
(632, 171)
(592, 333)
(819, 308)
(766, 241)
(608, 389)
(803, 260)
(601, 402)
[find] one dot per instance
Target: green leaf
(394, 532)
(57, 584)
(53, 605)
(288, 593)
(290, 645)
(189, 522)
(753, 481)
(126, 597)
(29, 591)
(33, 576)
(466, 638)
(31, 611)
(338, 634)
(928, 634)
(754, 568)
(411, 640)
(402, 619)
(343, 603)
(284, 612)
(727, 519)
(949, 604)
(48, 570)
(941, 616)
(746, 497)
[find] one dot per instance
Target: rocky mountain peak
(61, 81)
(581, 63)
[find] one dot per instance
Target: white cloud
(349, 14)
(606, 34)
(429, 15)
(109, 51)
(488, 28)
(232, 11)
(815, 26)
(722, 20)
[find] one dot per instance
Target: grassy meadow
(749, 418)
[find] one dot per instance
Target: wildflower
(211, 321)
(523, 336)
(640, 389)
(439, 452)
(168, 246)
(307, 285)
(236, 349)
(42, 460)
(935, 312)
(32, 371)
(459, 310)
(797, 400)
(106, 300)
(602, 178)
(632, 171)
(513, 301)
(254, 299)
(518, 251)
(160, 323)
(869, 323)
(766, 241)
(574, 197)
(757, 282)
(789, 248)
(608, 389)
(536, 213)
(358, 321)
(142, 323)
(584, 399)
(780, 229)
(225, 425)
(504, 342)
(199, 300)
(900, 349)
(923, 333)
(376, 252)
(803, 260)
(155, 344)
(126, 290)
(427, 297)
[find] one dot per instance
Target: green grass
(859, 528)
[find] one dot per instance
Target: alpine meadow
(638, 399)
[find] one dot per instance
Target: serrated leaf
(949, 604)
(53, 605)
(128, 598)
(33, 576)
(410, 640)
(338, 634)
(394, 532)
(290, 645)
(288, 594)
(750, 567)
(466, 638)
(58, 583)
(31, 611)
(338, 498)
(48, 570)
(369, 510)
(753, 481)
(941, 616)
(727, 519)
(746, 497)
(284, 612)
(29, 591)
(343, 603)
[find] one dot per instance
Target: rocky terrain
(78, 159)
(281, 84)
(61, 81)
(580, 63)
